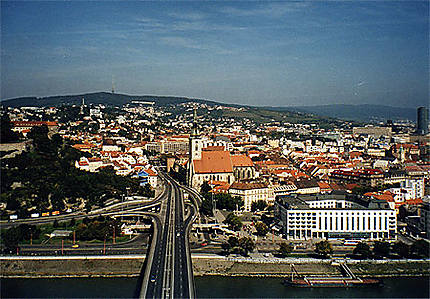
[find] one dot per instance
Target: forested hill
(340, 111)
(105, 98)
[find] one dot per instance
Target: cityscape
(223, 158)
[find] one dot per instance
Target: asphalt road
(170, 274)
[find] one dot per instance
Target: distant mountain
(348, 112)
(364, 112)
(105, 98)
(258, 114)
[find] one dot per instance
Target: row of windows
(342, 213)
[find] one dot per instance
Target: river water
(208, 287)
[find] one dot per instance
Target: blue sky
(259, 53)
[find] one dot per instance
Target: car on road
(153, 278)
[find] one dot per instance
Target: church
(209, 161)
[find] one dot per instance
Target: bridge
(168, 272)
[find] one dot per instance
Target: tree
(233, 222)
(285, 249)
(6, 133)
(246, 244)
(205, 188)
(362, 249)
(225, 201)
(233, 241)
(232, 245)
(258, 205)
(323, 248)
(381, 248)
(206, 207)
(420, 248)
(261, 228)
(10, 239)
(401, 248)
(40, 138)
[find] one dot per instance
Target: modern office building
(335, 216)
(422, 120)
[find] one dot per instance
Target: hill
(105, 98)
(258, 114)
(296, 113)
(364, 112)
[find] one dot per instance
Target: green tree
(261, 228)
(10, 240)
(420, 248)
(362, 249)
(233, 222)
(232, 245)
(205, 188)
(285, 249)
(246, 244)
(401, 248)
(40, 138)
(206, 207)
(6, 133)
(258, 205)
(323, 248)
(381, 248)
(233, 241)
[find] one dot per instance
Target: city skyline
(256, 53)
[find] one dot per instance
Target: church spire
(195, 130)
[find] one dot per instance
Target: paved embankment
(62, 266)
(130, 265)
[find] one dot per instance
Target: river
(208, 287)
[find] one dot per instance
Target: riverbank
(203, 265)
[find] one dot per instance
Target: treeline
(100, 228)
(45, 178)
(223, 201)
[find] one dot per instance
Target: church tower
(194, 148)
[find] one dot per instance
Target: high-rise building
(422, 120)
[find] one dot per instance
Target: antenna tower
(113, 85)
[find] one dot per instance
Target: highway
(169, 271)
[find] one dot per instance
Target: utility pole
(114, 234)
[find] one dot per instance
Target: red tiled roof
(241, 160)
(150, 172)
(213, 162)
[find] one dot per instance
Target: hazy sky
(260, 53)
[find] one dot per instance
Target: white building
(335, 216)
(251, 192)
(409, 189)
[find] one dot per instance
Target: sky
(263, 53)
